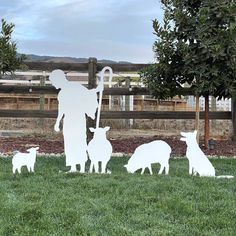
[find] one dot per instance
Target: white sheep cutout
(99, 149)
(146, 154)
(198, 162)
(24, 159)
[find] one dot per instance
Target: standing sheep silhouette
(24, 159)
(74, 102)
(99, 148)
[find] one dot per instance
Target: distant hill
(37, 58)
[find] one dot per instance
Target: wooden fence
(92, 67)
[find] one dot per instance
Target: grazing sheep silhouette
(146, 154)
(24, 159)
(198, 162)
(99, 149)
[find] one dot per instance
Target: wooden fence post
(92, 70)
(42, 99)
(233, 110)
(92, 83)
(42, 96)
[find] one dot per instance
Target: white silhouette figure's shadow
(74, 103)
(147, 154)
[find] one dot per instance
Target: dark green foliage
(9, 61)
(52, 203)
(195, 45)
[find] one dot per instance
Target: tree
(9, 60)
(196, 45)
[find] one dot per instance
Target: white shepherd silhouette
(74, 102)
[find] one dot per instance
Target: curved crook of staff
(101, 92)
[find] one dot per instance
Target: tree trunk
(197, 119)
(206, 128)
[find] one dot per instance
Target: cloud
(111, 29)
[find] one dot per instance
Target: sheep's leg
(91, 167)
(167, 169)
(143, 169)
(150, 169)
(14, 169)
(190, 169)
(161, 169)
(96, 166)
(103, 167)
(19, 170)
(30, 168)
(194, 172)
(73, 168)
(82, 167)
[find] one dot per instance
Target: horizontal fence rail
(36, 89)
(92, 69)
(214, 115)
(168, 115)
(83, 67)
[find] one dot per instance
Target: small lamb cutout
(198, 162)
(24, 159)
(99, 149)
(146, 154)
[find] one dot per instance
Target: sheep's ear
(92, 130)
(28, 150)
(37, 148)
(107, 128)
(195, 132)
(125, 166)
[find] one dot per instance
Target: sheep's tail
(225, 177)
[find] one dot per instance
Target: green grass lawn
(52, 203)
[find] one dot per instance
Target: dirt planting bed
(124, 145)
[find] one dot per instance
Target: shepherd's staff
(101, 92)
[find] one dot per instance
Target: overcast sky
(119, 30)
